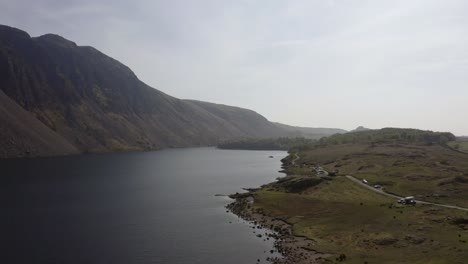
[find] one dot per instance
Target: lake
(151, 207)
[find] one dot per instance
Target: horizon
(395, 64)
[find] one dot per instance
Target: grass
(429, 172)
(345, 218)
(342, 217)
(303, 170)
(459, 145)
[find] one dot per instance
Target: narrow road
(380, 191)
(293, 162)
(372, 188)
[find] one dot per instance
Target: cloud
(315, 63)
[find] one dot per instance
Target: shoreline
(293, 249)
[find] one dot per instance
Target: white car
(407, 200)
(364, 181)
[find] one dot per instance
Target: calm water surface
(153, 207)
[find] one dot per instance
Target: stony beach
(293, 249)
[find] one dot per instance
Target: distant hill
(360, 128)
(309, 132)
(390, 135)
(71, 99)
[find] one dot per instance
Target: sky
(316, 63)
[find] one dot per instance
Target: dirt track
(399, 197)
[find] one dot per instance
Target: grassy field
(345, 218)
(459, 145)
(430, 172)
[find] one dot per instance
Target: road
(380, 191)
(293, 162)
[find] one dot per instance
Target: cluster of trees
(282, 143)
(390, 135)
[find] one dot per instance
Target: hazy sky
(309, 63)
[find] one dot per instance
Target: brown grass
(434, 173)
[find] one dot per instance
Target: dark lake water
(153, 207)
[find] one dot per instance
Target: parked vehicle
(407, 200)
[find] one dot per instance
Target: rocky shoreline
(293, 249)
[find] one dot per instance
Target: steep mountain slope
(98, 104)
(23, 135)
(246, 122)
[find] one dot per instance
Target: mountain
(21, 133)
(360, 128)
(72, 99)
(309, 132)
